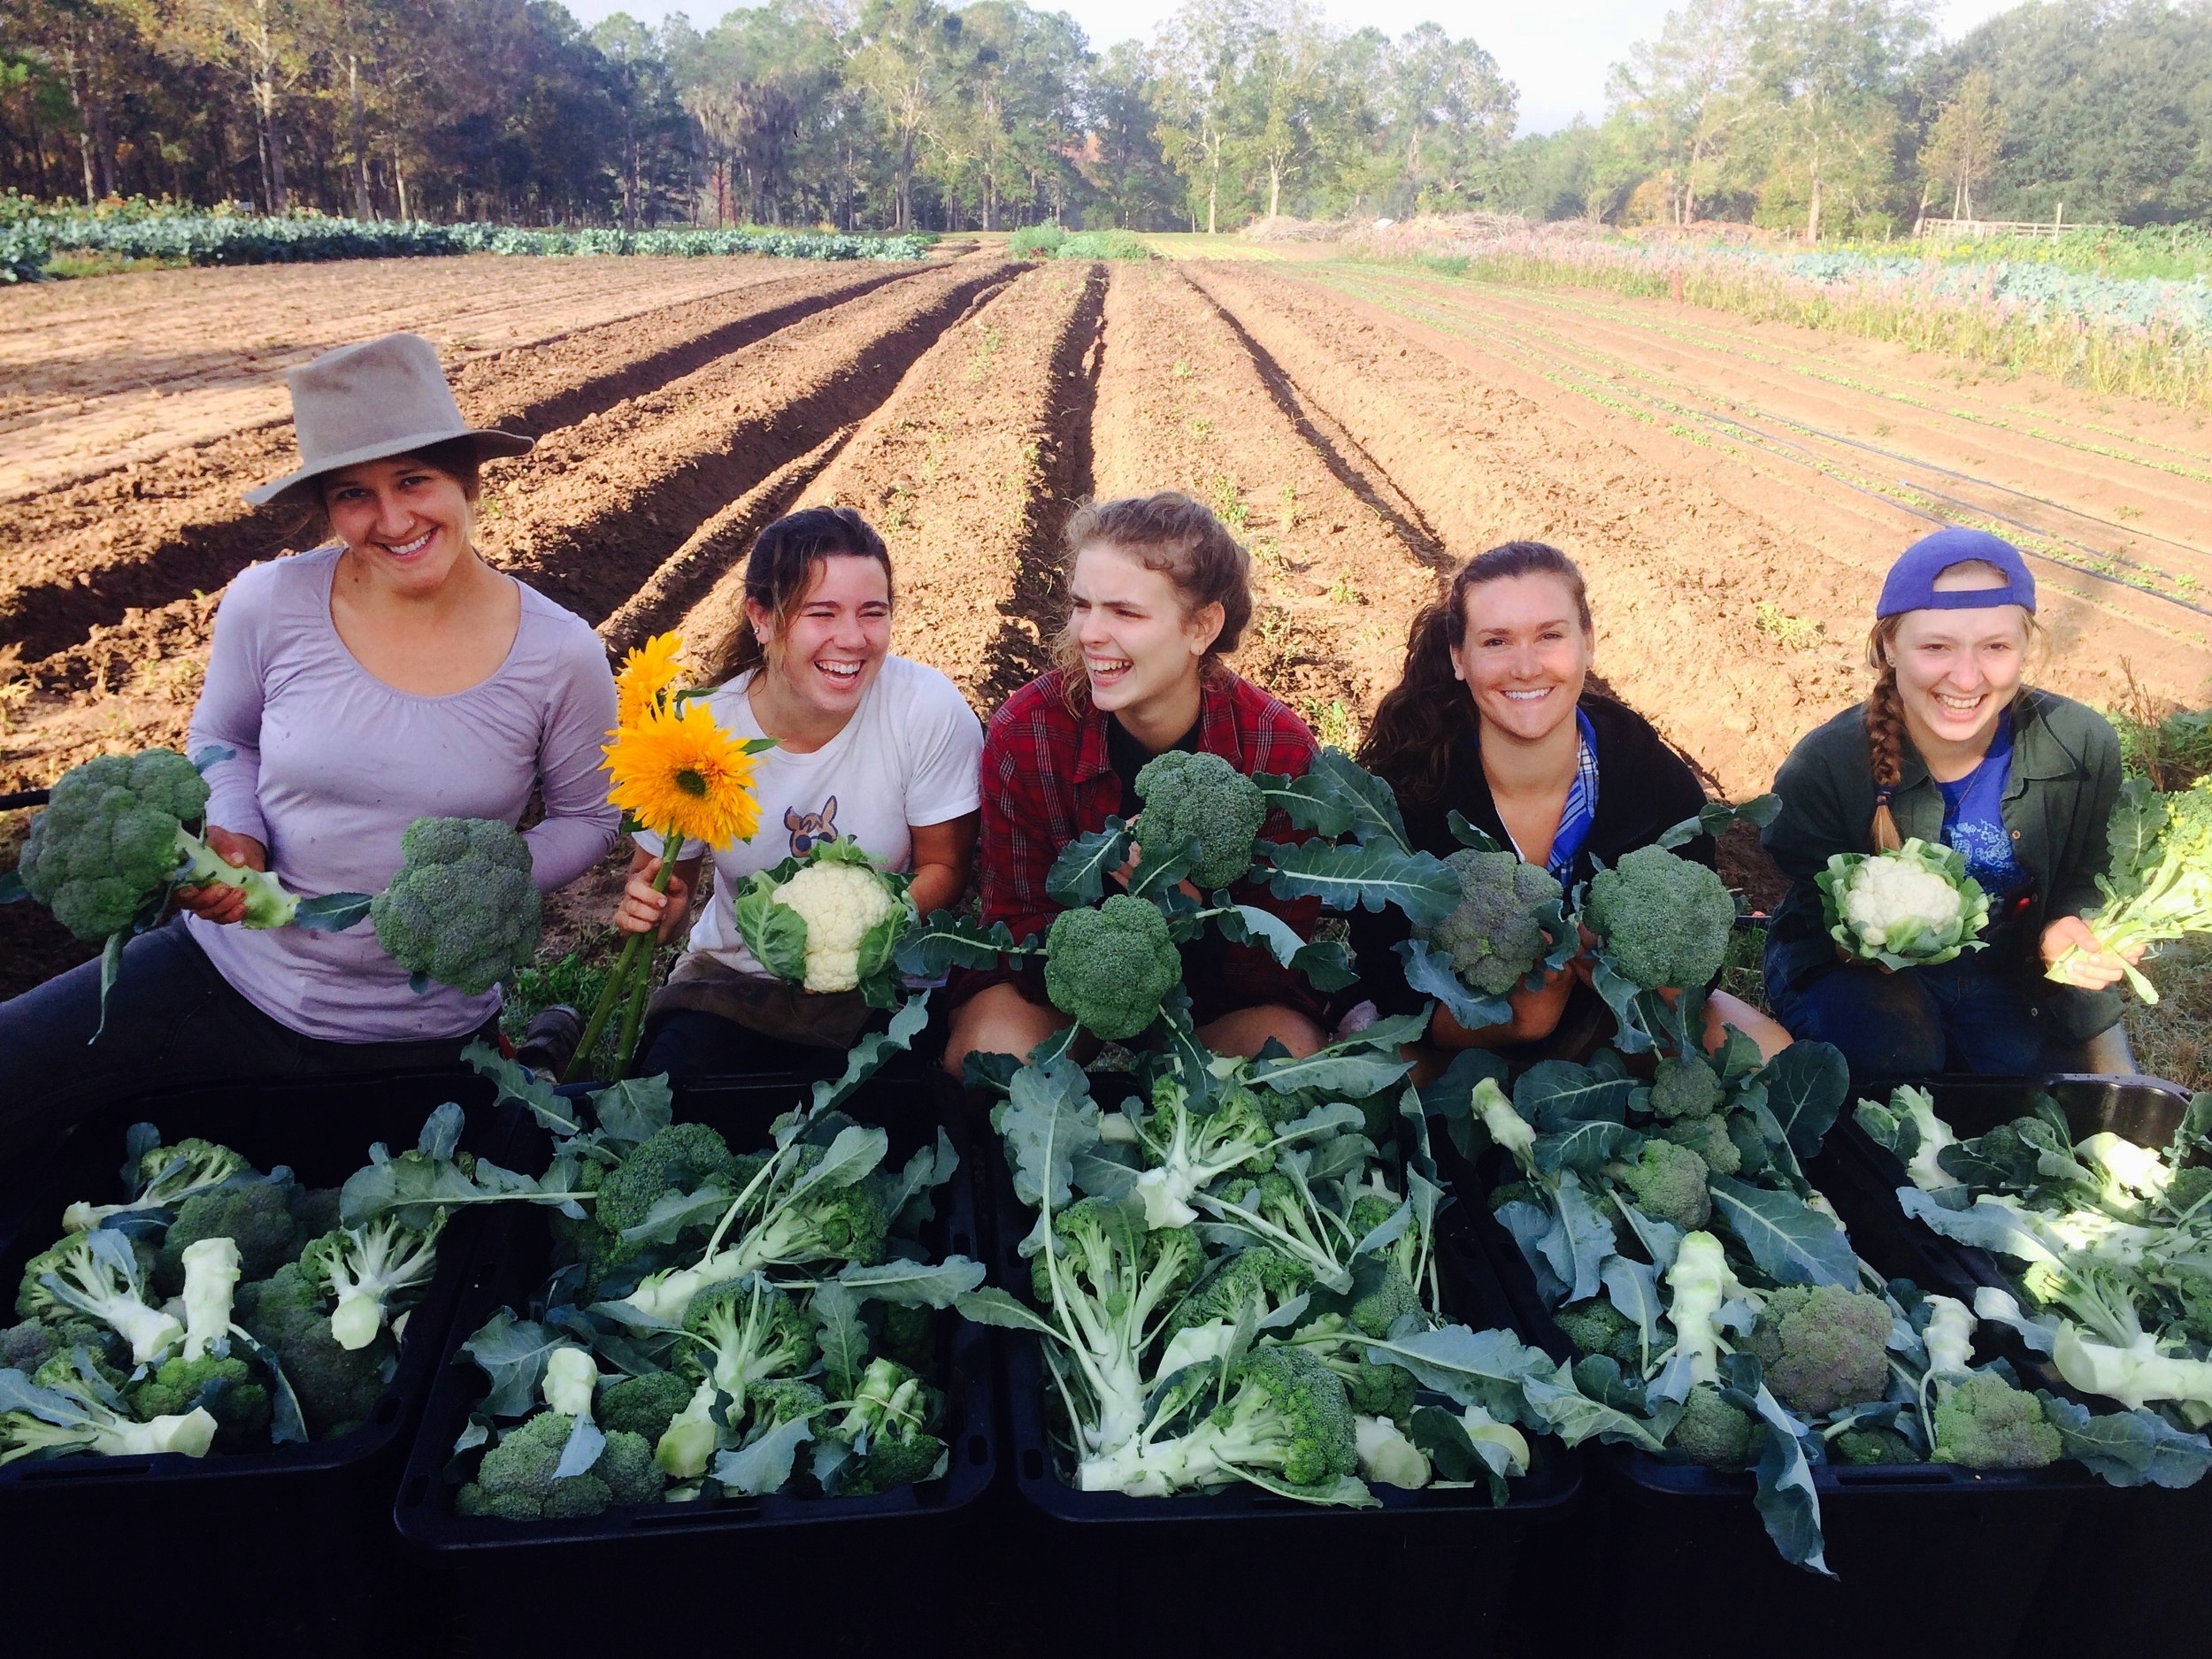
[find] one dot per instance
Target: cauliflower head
(1109, 967)
(829, 922)
(1497, 935)
(1913, 906)
(1664, 920)
(1201, 798)
(107, 841)
(463, 909)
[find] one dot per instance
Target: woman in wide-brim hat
(389, 675)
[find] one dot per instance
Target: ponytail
(1885, 735)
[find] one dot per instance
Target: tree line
(1824, 116)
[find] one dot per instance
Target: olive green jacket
(2058, 798)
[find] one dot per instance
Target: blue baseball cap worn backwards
(1911, 582)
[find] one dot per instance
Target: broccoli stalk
(211, 1280)
(97, 1274)
(1190, 1150)
(1279, 1419)
(65, 1417)
(161, 1179)
(888, 1426)
(745, 1333)
(365, 1269)
(2104, 1350)
(2160, 883)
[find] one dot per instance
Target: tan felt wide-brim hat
(383, 397)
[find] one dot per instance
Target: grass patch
(1051, 242)
(575, 978)
(1743, 971)
(2174, 1039)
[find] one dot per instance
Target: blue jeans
(1918, 1022)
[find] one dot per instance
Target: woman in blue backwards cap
(1953, 748)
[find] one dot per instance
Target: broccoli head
(463, 907)
(1708, 1138)
(1109, 967)
(1288, 1409)
(644, 1405)
(1664, 920)
(889, 1426)
(162, 1178)
(742, 1332)
(1823, 1347)
(227, 1388)
(1983, 1422)
(516, 1480)
(1201, 798)
(1259, 1272)
(1379, 1391)
(781, 1399)
(1381, 1296)
(1873, 1446)
(1751, 1145)
(108, 839)
(337, 1387)
(1597, 1326)
(28, 1346)
(2190, 1186)
(1496, 937)
(681, 1159)
(1667, 1181)
(259, 1217)
(1711, 1431)
(1683, 1089)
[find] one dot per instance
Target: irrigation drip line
(1784, 449)
(28, 797)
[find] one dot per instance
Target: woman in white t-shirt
(870, 749)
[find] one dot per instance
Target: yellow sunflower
(675, 771)
(648, 673)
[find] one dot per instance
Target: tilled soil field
(1732, 491)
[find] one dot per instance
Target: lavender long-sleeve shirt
(332, 766)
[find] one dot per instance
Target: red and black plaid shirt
(1048, 778)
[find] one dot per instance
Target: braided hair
(1885, 732)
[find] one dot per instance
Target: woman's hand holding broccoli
(217, 902)
(2091, 966)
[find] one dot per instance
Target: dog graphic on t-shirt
(809, 830)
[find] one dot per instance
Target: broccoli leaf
(1556, 1095)
(1806, 1086)
(1429, 972)
(512, 1353)
(1345, 876)
(1313, 801)
(1531, 1224)
(332, 912)
(634, 1109)
(1326, 963)
(1575, 1417)
(545, 1104)
(1986, 1224)
(844, 1341)
(994, 1306)
(1580, 1239)
(2128, 1448)
(1584, 1147)
(586, 1441)
(1341, 1070)
(1372, 803)
(1633, 1289)
(1047, 1119)
(907, 1200)
(873, 1051)
(1078, 875)
(1716, 815)
(914, 1284)
(673, 1213)
(1467, 835)
(1473, 1368)
(12, 889)
(1792, 1243)
(1248, 925)
(934, 948)
(764, 1465)
(1784, 1495)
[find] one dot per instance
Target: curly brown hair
(1183, 541)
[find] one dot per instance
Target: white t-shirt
(911, 753)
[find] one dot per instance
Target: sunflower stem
(634, 1015)
(618, 980)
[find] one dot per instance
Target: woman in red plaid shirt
(1158, 593)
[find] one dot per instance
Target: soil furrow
(81, 557)
(1675, 570)
(614, 495)
(1340, 559)
(715, 549)
(969, 472)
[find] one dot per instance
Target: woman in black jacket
(1493, 719)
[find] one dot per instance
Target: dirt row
(1339, 561)
(152, 532)
(1675, 570)
(97, 374)
(1605, 368)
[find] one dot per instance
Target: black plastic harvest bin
(291, 1546)
(858, 1574)
(1427, 1568)
(2136, 1567)
(1684, 1538)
